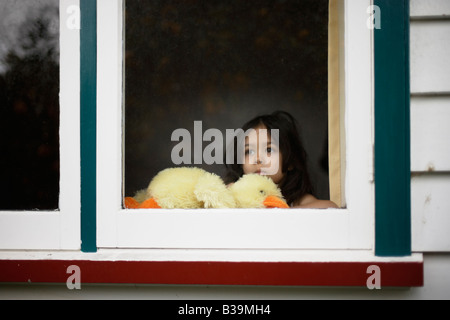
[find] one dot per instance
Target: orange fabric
(131, 203)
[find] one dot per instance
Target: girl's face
(262, 155)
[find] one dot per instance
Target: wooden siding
(430, 129)
(430, 49)
(426, 9)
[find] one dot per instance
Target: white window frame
(58, 229)
(348, 228)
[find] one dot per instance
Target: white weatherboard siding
(430, 134)
(430, 130)
(430, 49)
(426, 9)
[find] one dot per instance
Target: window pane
(29, 104)
(222, 63)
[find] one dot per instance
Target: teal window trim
(88, 119)
(392, 135)
(392, 130)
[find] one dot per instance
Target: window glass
(200, 65)
(29, 104)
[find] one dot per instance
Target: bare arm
(309, 201)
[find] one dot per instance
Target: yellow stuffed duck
(256, 191)
(191, 187)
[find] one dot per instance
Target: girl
(285, 153)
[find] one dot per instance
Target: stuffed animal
(256, 191)
(190, 187)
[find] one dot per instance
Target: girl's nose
(261, 158)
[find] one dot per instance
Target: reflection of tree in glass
(29, 117)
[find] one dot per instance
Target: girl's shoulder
(309, 201)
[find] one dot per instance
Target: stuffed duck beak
(274, 202)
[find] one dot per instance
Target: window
(40, 128)
(220, 64)
(328, 229)
(29, 84)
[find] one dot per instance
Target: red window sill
(392, 274)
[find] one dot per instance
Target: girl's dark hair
(296, 181)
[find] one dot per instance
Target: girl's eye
(269, 150)
(249, 152)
